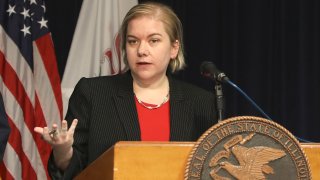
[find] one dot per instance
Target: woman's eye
(154, 41)
(132, 41)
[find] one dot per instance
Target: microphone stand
(208, 69)
(219, 100)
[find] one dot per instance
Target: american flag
(30, 86)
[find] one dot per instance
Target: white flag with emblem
(94, 50)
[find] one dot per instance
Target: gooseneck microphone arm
(208, 69)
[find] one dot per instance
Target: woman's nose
(143, 49)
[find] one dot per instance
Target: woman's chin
(145, 75)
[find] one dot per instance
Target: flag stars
(11, 10)
(43, 23)
(25, 13)
(25, 30)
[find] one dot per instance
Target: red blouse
(154, 123)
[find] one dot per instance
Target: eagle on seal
(252, 162)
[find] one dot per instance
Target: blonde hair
(173, 28)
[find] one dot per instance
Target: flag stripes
(30, 86)
(15, 141)
(46, 51)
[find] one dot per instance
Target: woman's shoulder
(102, 84)
(189, 89)
(107, 80)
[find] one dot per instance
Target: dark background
(269, 48)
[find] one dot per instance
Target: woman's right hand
(61, 141)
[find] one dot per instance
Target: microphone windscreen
(208, 69)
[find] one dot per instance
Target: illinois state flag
(95, 47)
(30, 86)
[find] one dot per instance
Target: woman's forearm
(62, 157)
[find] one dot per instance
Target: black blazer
(106, 110)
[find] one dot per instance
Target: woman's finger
(38, 130)
(54, 133)
(64, 127)
(45, 134)
(73, 127)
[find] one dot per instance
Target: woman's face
(148, 48)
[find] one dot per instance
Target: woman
(145, 103)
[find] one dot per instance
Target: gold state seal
(247, 148)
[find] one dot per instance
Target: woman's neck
(151, 92)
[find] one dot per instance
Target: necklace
(153, 106)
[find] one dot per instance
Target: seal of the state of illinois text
(247, 148)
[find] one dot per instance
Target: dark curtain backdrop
(269, 48)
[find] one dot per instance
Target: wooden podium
(159, 160)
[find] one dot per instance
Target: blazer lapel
(179, 113)
(126, 109)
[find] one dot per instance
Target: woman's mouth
(143, 63)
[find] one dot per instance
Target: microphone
(209, 70)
